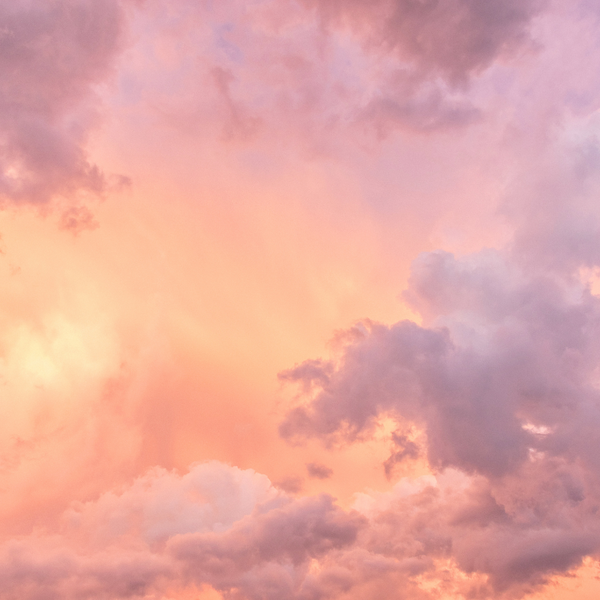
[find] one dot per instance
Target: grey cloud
(294, 532)
(215, 525)
(318, 471)
(454, 38)
(502, 349)
(51, 55)
(500, 379)
(403, 449)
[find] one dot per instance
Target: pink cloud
(318, 470)
(215, 525)
(497, 385)
(454, 38)
(494, 391)
(317, 70)
(52, 56)
(501, 382)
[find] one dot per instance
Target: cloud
(496, 387)
(230, 529)
(216, 524)
(453, 38)
(404, 449)
(272, 69)
(272, 544)
(323, 71)
(318, 471)
(501, 382)
(44, 567)
(220, 526)
(52, 54)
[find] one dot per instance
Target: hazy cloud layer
(452, 38)
(264, 62)
(320, 71)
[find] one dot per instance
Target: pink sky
(300, 299)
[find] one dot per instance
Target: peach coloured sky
(299, 299)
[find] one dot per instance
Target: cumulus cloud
(51, 55)
(215, 525)
(230, 529)
(499, 387)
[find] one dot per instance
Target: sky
(299, 299)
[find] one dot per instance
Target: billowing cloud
(215, 525)
(52, 54)
(229, 529)
(498, 384)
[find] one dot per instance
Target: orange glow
(393, 206)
